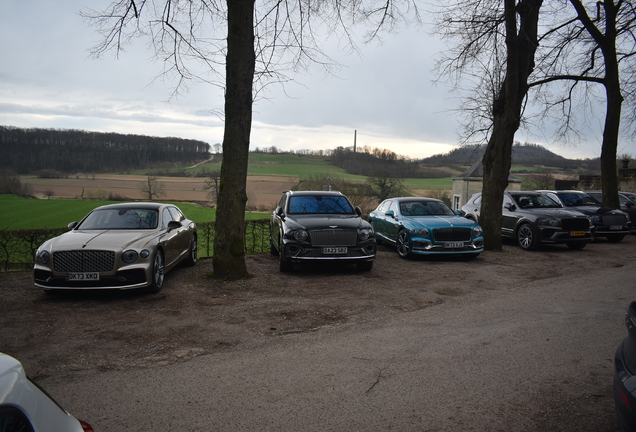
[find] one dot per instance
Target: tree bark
(229, 242)
(521, 47)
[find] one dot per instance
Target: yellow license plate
(577, 233)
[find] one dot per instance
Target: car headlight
(144, 253)
(596, 219)
(364, 234)
(130, 256)
(422, 232)
(44, 257)
(301, 235)
(550, 222)
(477, 231)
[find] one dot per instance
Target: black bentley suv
(320, 225)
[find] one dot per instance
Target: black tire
(283, 265)
(527, 237)
(158, 274)
(577, 245)
(402, 244)
(364, 266)
(193, 254)
(615, 238)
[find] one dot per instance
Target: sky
(385, 96)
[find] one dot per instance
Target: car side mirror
(174, 224)
(460, 213)
(629, 204)
(279, 211)
(72, 225)
(390, 213)
(358, 211)
(510, 206)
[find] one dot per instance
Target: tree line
(69, 150)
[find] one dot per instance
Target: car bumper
(128, 278)
(624, 392)
(551, 235)
(297, 252)
(424, 247)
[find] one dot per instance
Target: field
(20, 213)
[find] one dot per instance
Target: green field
(21, 213)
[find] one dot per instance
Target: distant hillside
(69, 151)
(522, 154)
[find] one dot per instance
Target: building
(471, 182)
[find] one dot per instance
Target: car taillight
(624, 398)
(86, 427)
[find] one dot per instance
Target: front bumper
(129, 278)
(552, 235)
(426, 247)
(297, 252)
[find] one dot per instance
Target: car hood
(309, 222)
(550, 212)
(98, 239)
(438, 221)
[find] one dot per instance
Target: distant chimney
(355, 137)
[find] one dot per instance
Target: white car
(24, 406)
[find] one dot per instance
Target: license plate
(334, 250)
(453, 245)
(92, 276)
(577, 233)
(616, 227)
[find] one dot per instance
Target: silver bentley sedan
(118, 246)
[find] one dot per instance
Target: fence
(17, 248)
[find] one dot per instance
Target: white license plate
(89, 276)
(616, 227)
(453, 245)
(334, 250)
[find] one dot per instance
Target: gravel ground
(195, 315)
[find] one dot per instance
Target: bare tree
(497, 47)
(385, 186)
(152, 188)
(211, 185)
(543, 180)
(591, 43)
(262, 44)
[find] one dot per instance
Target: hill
(522, 154)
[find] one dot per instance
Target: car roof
(137, 205)
(310, 193)
(401, 199)
(560, 191)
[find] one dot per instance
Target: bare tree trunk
(229, 241)
(507, 105)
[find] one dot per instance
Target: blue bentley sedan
(425, 226)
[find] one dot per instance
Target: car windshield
(531, 201)
(319, 204)
(425, 208)
(577, 199)
(630, 196)
(122, 218)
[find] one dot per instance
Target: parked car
(533, 218)
(625, 374)
(121, 246)
(25, 406)
(609, 223)
(320, 225)
(425, 226)
(627, 202)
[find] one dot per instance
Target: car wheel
(364, 266)
(576, 245)
(284, 265)
(527, 237)
(615, 238)
(158, 274)
(402, 244)
(192, 257)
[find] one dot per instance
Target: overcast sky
(48, 80)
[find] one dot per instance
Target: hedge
(17, 248)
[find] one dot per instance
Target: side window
(392, 206)
(506, 200)
(176, 214)
(281, 203)
(382, 206)
(166, 217)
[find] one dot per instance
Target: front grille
(578, 224)
(451, 234)
(83, 261)
(333, 237)
(613, 220)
